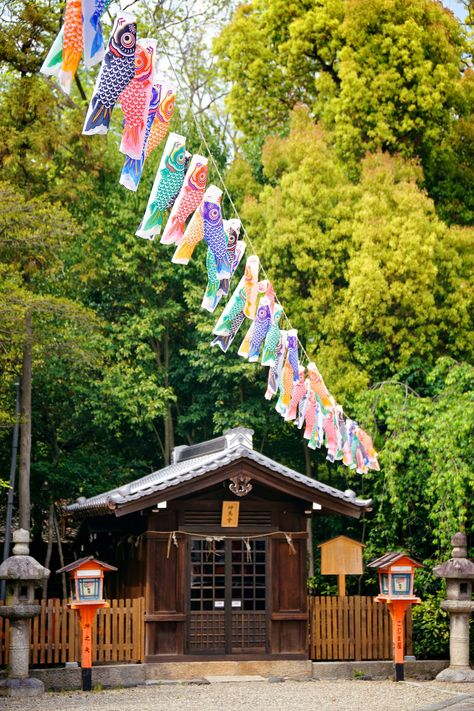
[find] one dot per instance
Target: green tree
(373, 279)
(380, 75)
(409, 289)
(31, 237)
(424, 491)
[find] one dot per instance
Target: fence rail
(55, 636)
(340, 628)
(356, 627)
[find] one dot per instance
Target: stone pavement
(455, 699)
(307, 695)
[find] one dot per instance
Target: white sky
(457, 6)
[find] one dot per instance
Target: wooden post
(341, 556)
(397, 609)
(86, 618)
(341, 585)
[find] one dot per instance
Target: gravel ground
(261, 696)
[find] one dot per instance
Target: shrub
(430, 629)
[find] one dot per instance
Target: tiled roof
(390, 558)
(197, 461)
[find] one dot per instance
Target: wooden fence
(55, 637)
(340, 628)
(356, 627)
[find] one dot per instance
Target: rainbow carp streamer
(275, 370)
(188, 200)
(231, 318)
(81, 33)
(166, 186)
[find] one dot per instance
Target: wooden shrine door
(227, 609)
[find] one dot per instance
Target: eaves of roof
(185, 471)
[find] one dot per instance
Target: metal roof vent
(183, 452)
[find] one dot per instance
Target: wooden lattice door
(228, 597)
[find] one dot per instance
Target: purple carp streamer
(194, 232)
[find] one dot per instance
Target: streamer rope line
(224, 186)
(212, 539)
(219, 174)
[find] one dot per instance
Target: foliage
(27, 29)
(383, 74)
(320, 585)
(424, 492)
(374, 281)
(399, 83)
(430, 628)
(32, 233)
(448, 166)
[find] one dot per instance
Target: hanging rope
(211, 540)
(171, 539)
(289, 540)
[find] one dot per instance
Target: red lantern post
(87, 596)
(396, 577)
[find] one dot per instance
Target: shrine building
(216, 544)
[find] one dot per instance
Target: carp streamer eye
(202, 175)
(127, 39)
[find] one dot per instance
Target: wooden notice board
(341, 556)
(230, 514)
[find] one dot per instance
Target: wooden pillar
(341, 585)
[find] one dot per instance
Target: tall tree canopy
(384, 74)
(377, 283)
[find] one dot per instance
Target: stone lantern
(22, 574)
(459, 573)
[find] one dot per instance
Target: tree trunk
(24, 505)
(61, 555)
(167, 444)
(307, 460)
(168, 419)
(49, 549)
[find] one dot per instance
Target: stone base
(291, 669)
(456, 675)
(419, 669)
(21, 688)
